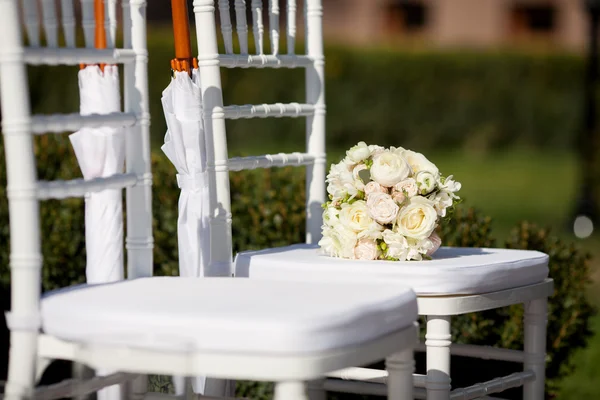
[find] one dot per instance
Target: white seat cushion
(228, 314)
(452, 270)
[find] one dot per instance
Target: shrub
(268, 209)
(424, 99)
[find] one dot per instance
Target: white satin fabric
(452, 271)
(100, 153)
(184, 146)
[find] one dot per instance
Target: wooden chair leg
(290, 391)
(400, 367)
(536, 319)
(438, 340)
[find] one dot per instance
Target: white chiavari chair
(142, 325)
(481, 279)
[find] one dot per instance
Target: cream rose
(418, 219)
(389, 168)
(358, 153)
(366, 249)
(418, 162)
(426, 182)
(396, 245)
(408, 186)
(355, 216)
(374, 187)
(382, 208)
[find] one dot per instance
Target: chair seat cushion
(224, 314)
(452, 270)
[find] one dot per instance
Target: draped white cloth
(185, 147)
(100, 152)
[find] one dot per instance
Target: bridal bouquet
(385, 205)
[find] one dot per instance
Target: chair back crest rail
(210, 60)
(19, 126)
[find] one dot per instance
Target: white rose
(374, 187)
(340, 182)
(358, 153)
(389, 168)
(418, 219)
(408, 186)
(358, 183)
(338, 242)
(418, 162)
(355, 216)
(426, 182)
(382, 208)
(398, 150)
(374, 149)
(396, 245)
(366, 249)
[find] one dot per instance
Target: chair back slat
(139, 241)
(215, 112)
(291, 26)
(50, 22)
(274, 26)
(88, 22)
(110, 23)
(258, 28)
(241, 25)
(19, 127)
(32, 24)
(226, 27)
(68, 22)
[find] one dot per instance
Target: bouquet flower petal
(385, 204)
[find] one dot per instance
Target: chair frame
(31, 350)
(215, 113)
(25, 191)
(435, 384)
(438, 310)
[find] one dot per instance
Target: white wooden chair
(219, 327)
(459, 281)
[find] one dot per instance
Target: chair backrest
(19, 127)
(215, 113)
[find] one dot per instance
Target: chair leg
(316, 390)
(536, 319)
(438, 340)
(290, 391)
(138, 388)
(400, 367)
(21, 365)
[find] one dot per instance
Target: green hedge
(268, 209)
(421, 100)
